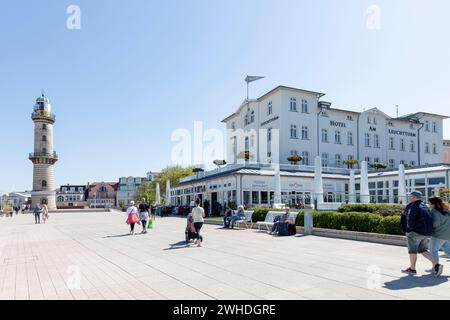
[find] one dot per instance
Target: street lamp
(220, 163)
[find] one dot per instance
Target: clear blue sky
(139, 69)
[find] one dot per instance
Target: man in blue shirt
(37, 213)
(417, 223)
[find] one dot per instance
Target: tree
(350, 163)
(148, 189)
(294, 159)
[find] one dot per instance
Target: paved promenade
(90, 256)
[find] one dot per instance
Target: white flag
(249, 79)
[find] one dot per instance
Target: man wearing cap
(417, 223)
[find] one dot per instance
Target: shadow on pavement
(123, 235)
(410, 282)
(178, 245)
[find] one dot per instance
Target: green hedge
(351, 221)
(378, 208)
(356, 221)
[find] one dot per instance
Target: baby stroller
(190, 233)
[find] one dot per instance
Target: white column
(168, 199)
(158, 194)
(365, 195)
(318, 183)
(277, 195)
(351, 188)
(402, 184)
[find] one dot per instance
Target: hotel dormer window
(293, 131)
(293, 104)
(427, 126)
(374, 120)
(233, 125)
(350, 138)
(305, 133)
(304, 106)
(252, 116)
(324, 135)
(369, 121)
(434, 127)
(269, 108)
(411, 126)
(337, 137)
(376, 141)
(350, 118)
(391, 143)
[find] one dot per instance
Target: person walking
(144, 209)
(16, 209)
(133, 218)
(440, 238)
(37, 213)
(416, 222)
(44, 212)
(198, 215)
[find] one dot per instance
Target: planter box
(344, 234)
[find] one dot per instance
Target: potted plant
(294, 159)
(379, 166)
(350, 163)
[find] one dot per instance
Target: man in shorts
(417, 224)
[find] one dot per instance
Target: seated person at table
(227, 218)
(284, 218)
(237, 216)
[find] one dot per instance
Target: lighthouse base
(47, 197)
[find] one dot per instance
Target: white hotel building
(310, 127)
(289, 121)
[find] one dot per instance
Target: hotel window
(391, 143)
(293, 104)
(374, 120)
(324, 159)
(402, 161)
(305, 132)
(246, 120)
(376, 160)
(349, 118)
(305, 155)
(427, 147)
(368, 120)
(434, 127)
(411, 125)
(412, 163)
(434, 148)
(412, 146)
(269, 108)
(252, 116)
(367, 139)
(350, 138)
(376, 141)
(293, 131)
(337, 137)
(269, 134)
(233, 126)
(427, 126)
(402, 144)
(324, 135)
(391, 163)
(294, 153)
(338, 160)
(367, 159)
(304, 106)
(349, 157)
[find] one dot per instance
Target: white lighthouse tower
(44, 157)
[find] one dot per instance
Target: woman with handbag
(133, 217)
(440, 238)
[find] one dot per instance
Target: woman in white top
(198, 215)
(133, 218)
